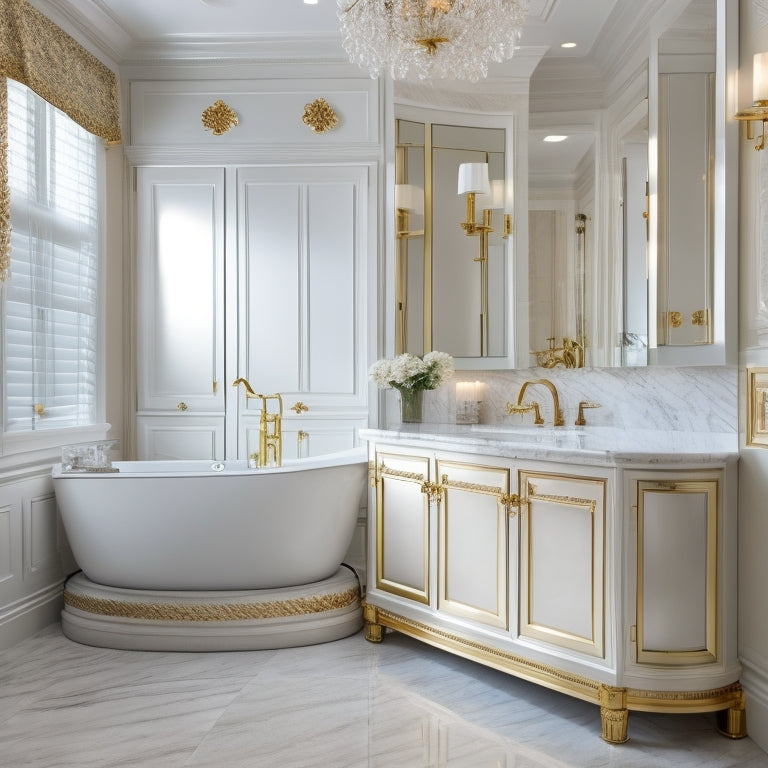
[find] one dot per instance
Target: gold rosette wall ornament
(319, 116)
(219, 118)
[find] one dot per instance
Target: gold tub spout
(270, 426)
(558, 414)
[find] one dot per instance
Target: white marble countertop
(608, 446)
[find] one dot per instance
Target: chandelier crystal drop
(430, 39)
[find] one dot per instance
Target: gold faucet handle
(580, 420)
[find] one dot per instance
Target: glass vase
(410, 405)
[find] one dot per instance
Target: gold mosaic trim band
(34, 51)
(212, 612)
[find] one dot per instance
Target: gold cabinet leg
(374, 632)
(613, 713)
(733, 722)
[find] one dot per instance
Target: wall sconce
(758, 112)
(473, 181)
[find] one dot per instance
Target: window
(51, 299)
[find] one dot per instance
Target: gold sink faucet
(270, 426)
(558, 414)
(524, 408)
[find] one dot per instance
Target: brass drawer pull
(299, 407)
(182, 406)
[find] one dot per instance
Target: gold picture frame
(757, 407)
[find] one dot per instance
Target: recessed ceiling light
(562, 45)
(554, 139)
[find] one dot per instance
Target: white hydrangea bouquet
(411, 375)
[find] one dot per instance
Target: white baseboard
(754, 680)
(30, 614)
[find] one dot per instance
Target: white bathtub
(203, 525)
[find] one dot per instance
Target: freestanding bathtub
(238, 558)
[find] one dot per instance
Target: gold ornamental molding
(212, 612)
(615, 701)
(319, 116)
(219, 118)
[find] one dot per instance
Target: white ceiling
(126, 27)
(124, 24)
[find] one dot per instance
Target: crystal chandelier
(430, 39)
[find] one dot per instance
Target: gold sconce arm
(757, 113)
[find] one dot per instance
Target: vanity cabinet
(675, 541)
(562, 560)
(613, 581)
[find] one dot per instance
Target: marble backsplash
(691, 399)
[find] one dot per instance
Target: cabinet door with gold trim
(472, 541)
(402, 525)
(677, 571)
(562, 560)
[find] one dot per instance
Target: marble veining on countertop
(609, 446)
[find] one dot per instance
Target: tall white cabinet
(253, 254)
(181, 396)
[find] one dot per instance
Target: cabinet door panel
(167, 438)
(472, 542)
(676, 572)
(180, 302)
(402, 526)
(330, 287)
(302, 313)
(562, 561)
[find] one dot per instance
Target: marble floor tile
(347, 704)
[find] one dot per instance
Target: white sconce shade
(409, 197)
(494, 200)
(760, 78)
(473, 177)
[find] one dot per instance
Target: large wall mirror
(627, 254)
(451, 258)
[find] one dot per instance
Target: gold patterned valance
(35, 52)
(5, 193)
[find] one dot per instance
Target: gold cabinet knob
(182, 406)
(39, 409)
(299, 407)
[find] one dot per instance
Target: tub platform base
(154, 620)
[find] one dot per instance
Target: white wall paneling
(168, 113)
(31, 555)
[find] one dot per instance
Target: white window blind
(51, 300)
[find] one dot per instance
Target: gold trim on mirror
(319, 116)
(219, 118)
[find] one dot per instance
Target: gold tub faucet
(558, 414)
(270, 426)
